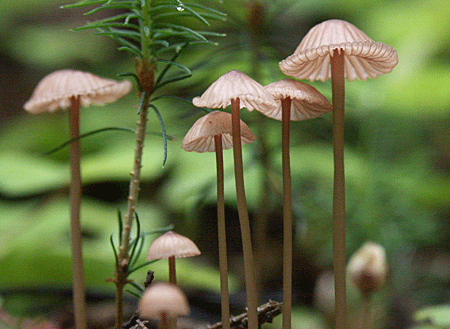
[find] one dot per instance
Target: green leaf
(119, 33)
(438, 315)
(181, 28)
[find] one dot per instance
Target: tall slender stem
(79, 299)
(339, 255)
(222, 236)
(249, 266)
(287, 213)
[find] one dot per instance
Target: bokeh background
(397, 163)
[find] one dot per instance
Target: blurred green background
(397, 156)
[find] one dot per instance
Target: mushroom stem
(171, 323)
(172, 271)
(164, 321)
(249, 266)
(79, 300)
(338, 91)
(287, 213)
(221, 228)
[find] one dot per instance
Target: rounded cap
(171, 244)
(200, 138)
(163, 298)
(364, 58)
(232, 85)
(55, 90)
(368, 267)
(307, 102)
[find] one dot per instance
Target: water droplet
(180, 8)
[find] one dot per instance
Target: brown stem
(366, 321)
(172, 270)
(287, 213)
(249, 266)
(339, 255)
(222, 237)
(79, 299)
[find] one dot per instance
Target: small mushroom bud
(368, 268)
(163, 301)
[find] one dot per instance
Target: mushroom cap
(232, 85)
(306, 101)
(55, 90)
(368, 267)
(171, 244)
(163, 298)
(363, 57)
(200, 138)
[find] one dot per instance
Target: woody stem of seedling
(249, 266)
(221, 229)
(146, 72)
(287, 213)
(79, 300)
(339, 255)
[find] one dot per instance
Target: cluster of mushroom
(335, 49)
(163, 301)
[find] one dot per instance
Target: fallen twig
(266, 313)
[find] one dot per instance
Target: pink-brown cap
(55, 91)
(364, 58)
(233, 85)
(171, 244)
(306, 101)
(200, 138)
(368, 267)
(163, 298)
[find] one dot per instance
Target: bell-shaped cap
(55, 91)
(306, 101)
(171, 244)
(163, 298)
(368, 267)
(364, 58)
(200, 138)
(233, 85)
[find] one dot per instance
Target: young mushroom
(212, 133)
(368, 271)
(171, 245)
(338, 49)
(296, 101)
(163, 302)
(72, 89)
(239, 90)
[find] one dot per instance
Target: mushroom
(164, 302)
(171, 245)
(71, 89)
(368, 270)
(212, 133)
(338, 49)
(239, 90)
(296, 101)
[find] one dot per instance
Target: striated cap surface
(233, 85)
(55, 90)
(200, 138)
(306, 101)
(364, 58)
(171, 244)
